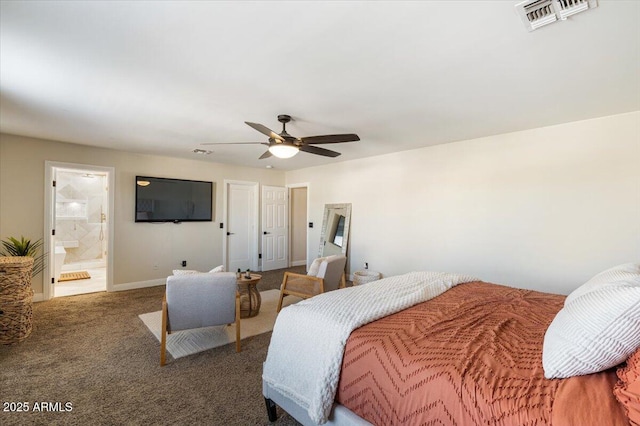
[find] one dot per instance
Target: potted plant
(24, 247)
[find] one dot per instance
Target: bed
(448, 349)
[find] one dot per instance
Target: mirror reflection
(334, 235)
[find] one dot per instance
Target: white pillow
(184, 272)
(217, 269)
(315, 267)
(597, 329)
(626, 273)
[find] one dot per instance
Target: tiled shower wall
(80, 199)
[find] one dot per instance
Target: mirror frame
(347, 222)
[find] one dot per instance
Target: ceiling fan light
(283, 151)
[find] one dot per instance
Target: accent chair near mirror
(334, 235)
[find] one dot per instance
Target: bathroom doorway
(80, 206)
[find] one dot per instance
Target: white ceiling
(164, 77)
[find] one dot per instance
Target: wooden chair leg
(280, 301)
(283, 286)
(163, 339)
(238, 322)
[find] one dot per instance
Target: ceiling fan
(283, 145)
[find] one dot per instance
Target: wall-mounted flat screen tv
(173, 200)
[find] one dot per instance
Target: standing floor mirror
(334, 235)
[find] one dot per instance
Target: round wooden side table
(250, 299)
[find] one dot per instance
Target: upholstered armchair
(325, 274)
(199, 300)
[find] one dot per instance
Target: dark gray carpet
(95, 353)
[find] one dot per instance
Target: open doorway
(79, 208)
(298, 230)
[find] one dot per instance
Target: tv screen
(173, 200)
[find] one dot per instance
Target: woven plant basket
(15, 319)
(363, 277)
(16, 299)
(15, 275)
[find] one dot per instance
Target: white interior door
(241, 226)
(275, 208)
(52, 271)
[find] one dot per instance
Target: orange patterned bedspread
(471, 356)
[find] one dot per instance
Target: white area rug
(187, 342)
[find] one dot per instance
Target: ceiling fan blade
(348, 137)
(319, 151)
(266, 154)
(234, 143)
(265, 130)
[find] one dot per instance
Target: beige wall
(137, 246)
(545, 208)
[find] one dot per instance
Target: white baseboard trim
(138, 284)
(299, 263)
(38, 297)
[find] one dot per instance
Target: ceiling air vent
(567, 8)
(538, 13)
